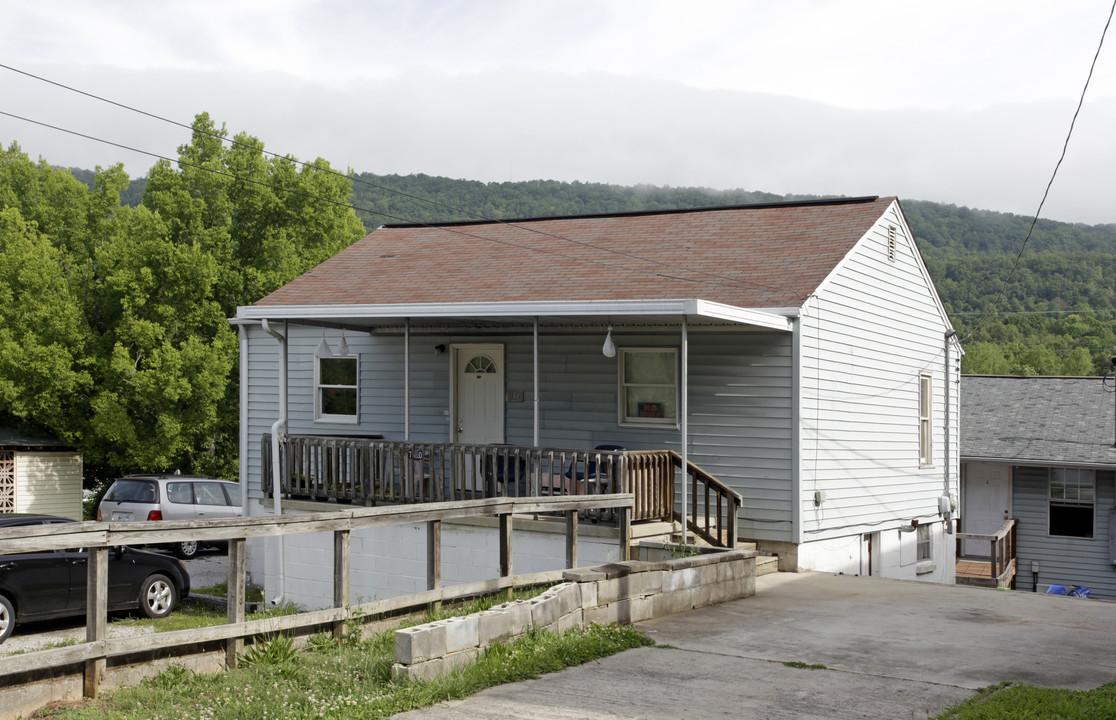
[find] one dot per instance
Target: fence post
(506, 547)
(571, 539)
(624, 525)
(96, 617)
(341, 548)
(434, 558)
(236, 597)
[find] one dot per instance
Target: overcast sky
(957, 101)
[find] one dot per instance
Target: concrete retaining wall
(625, 593)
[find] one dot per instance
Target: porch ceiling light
(343, 348)
(609, 348)
(323, 349)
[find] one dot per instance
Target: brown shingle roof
(752, 256)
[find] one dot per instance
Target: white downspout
(685, 418)
(948, 432)
(276, 493)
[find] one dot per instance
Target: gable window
(925, 420)
(336, 393)
(1072, 493)
(648, 386)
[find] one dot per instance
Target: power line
(1046, 193)
(385, 188)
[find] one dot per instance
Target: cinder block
(609, 591)
(632, 610)
(545, 611)
(680, 579)
(583, 575)
(588, 595)
(571, 621)
(596, 615)
(492, 627)
(671, 603)
(461, 633)
(419, 643)
(568, 597)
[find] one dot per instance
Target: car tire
(186, 549)
(7, 618)
(158, 596)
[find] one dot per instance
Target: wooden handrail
(1002, 552)
(719, 505)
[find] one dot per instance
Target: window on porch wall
(923, 547)
(1072, 494)
(336, 390)
(648, 386)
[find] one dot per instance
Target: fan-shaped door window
(480, 365)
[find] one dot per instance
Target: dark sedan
(52, 583)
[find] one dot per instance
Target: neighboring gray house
(1042, 450)
(39, 475)
(796, 352)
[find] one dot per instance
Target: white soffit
(780, 319)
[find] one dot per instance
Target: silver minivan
(171, 497)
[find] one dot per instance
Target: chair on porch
(591, 474)
(507, 472)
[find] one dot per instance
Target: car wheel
(158, 596)
(7, 618)
(187, 549)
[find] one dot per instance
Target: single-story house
(1042, 450)
(39, 475)
(796, 353)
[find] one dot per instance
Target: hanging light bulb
(609, 348)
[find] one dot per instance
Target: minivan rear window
(141, 491)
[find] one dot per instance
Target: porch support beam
(685, 412)
(407, 379)
(536, 379)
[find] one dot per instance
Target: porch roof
(752, 265)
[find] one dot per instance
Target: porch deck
(373, 471)
(999, 569)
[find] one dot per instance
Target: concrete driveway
(890, 649)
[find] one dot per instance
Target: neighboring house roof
(12, 439)
(1038, 420)
(768, 257)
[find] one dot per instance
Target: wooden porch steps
(670, 532)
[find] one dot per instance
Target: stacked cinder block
(624, 593)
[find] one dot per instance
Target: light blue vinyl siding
(1062, 560)
(740, 401)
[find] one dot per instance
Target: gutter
(276, 495)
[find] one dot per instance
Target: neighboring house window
(1072, 491)
(336, 392)
(649, 386)
(925, 420)
(922, 544)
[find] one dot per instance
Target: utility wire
(719, 280)
(234, 141)
(1046, 193)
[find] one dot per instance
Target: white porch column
(536, 379)
(407, 380)
(685, 412)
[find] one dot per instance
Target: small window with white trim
(924, 550)
(648, 386)
(1072, 496)
(336, 389)
(925, 420)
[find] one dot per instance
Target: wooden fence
(90, 658)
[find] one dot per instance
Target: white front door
(985, 504)
(478, 394)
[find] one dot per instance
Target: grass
(253, 594)
(346, 679)
(346, 682)
(1015, 701)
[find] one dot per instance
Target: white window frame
(925, 420)
(320, 416)
(623, 418)
(924, 544)
(1072, 480)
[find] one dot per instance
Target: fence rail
(97, 537)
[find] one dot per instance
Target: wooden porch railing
(1002, 560)
(373, 471)
(713, 506)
